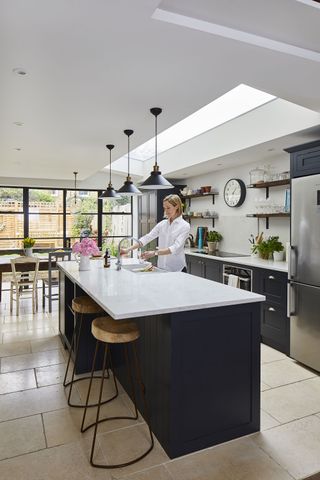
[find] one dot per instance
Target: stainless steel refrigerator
(304, 271)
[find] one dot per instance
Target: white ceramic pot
(28, 252)
(212, 246)
(84, 262)
(278, 256)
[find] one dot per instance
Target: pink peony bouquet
(86, 247)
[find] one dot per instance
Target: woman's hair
(175, 201)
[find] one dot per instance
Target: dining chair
(24, 283)
(52, 279)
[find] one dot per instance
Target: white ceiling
(95, 67)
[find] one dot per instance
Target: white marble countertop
(250, 261)
(124, 294)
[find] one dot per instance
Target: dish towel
(233, 281)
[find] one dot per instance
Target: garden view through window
(48, 216)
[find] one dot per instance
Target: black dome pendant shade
(110, 192)
(128, 188)
(156, 181)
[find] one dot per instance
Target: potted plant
(83, 251)
(270, 246)
(213, 238)
(27, 245)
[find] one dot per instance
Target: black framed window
(11, 217)
(116, 222)
(49, 216)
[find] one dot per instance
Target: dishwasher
(244, 275)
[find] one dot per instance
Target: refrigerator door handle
(292, 262)
(291, 300)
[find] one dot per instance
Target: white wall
(232, 222)
(97, 181)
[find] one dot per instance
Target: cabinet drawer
(275, 327)
(274, 286)
(306, 162)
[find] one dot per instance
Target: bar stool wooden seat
(108, 331)
(81, 306)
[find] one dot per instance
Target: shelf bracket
(267, 192)
(267, 223)
(212, 199)
(213, 222)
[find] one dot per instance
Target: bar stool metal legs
(75, 342)
(129, 367)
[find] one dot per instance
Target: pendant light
(156, 181)
(128, 188)
(74, 201)
(110, 192)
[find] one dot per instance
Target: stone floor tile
(154, 473)
(28, 335)
(52, 343)
(63, 426)
(264, 387)
(17, 381)
(267, 421)
(67, 462)
(31, 360)
(293, 401)
(283, 372)
(21, 436)
(268, 354)
(31, 402)
(18, 348)
(50, 375)
(21, 327)
(237, 460)
(295, 446)
(124, 444)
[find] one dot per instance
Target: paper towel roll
(287, 251)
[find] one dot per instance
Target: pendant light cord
(128, 156)
(110, 166)
(156, 140)
(75, 187)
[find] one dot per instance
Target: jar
(257, 175)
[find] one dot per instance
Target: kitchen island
(199, 349)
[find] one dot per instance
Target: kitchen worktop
(250, 261)
(126, 294)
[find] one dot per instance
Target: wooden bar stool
(109, 331)
(81, 306)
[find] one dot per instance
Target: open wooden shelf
(268, 215)
(276, 183)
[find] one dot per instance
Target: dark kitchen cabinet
(213, 270)
(304, 159)
(204, 267)
(195, 266)
(275, 325)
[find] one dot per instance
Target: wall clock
(234, 192)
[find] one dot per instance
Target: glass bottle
(106, 259)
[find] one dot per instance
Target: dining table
(5, 265)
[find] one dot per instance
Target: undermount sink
(138, 268)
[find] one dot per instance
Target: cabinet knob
(271, 309)
(271, 277)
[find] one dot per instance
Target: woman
(172, 234)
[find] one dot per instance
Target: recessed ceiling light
(219, 164)
(270, 149)
(18, 124)
(19, 71)
(18, 149)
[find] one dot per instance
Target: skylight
(232, 104)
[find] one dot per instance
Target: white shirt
(173, 236)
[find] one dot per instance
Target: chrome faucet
(118, 262)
